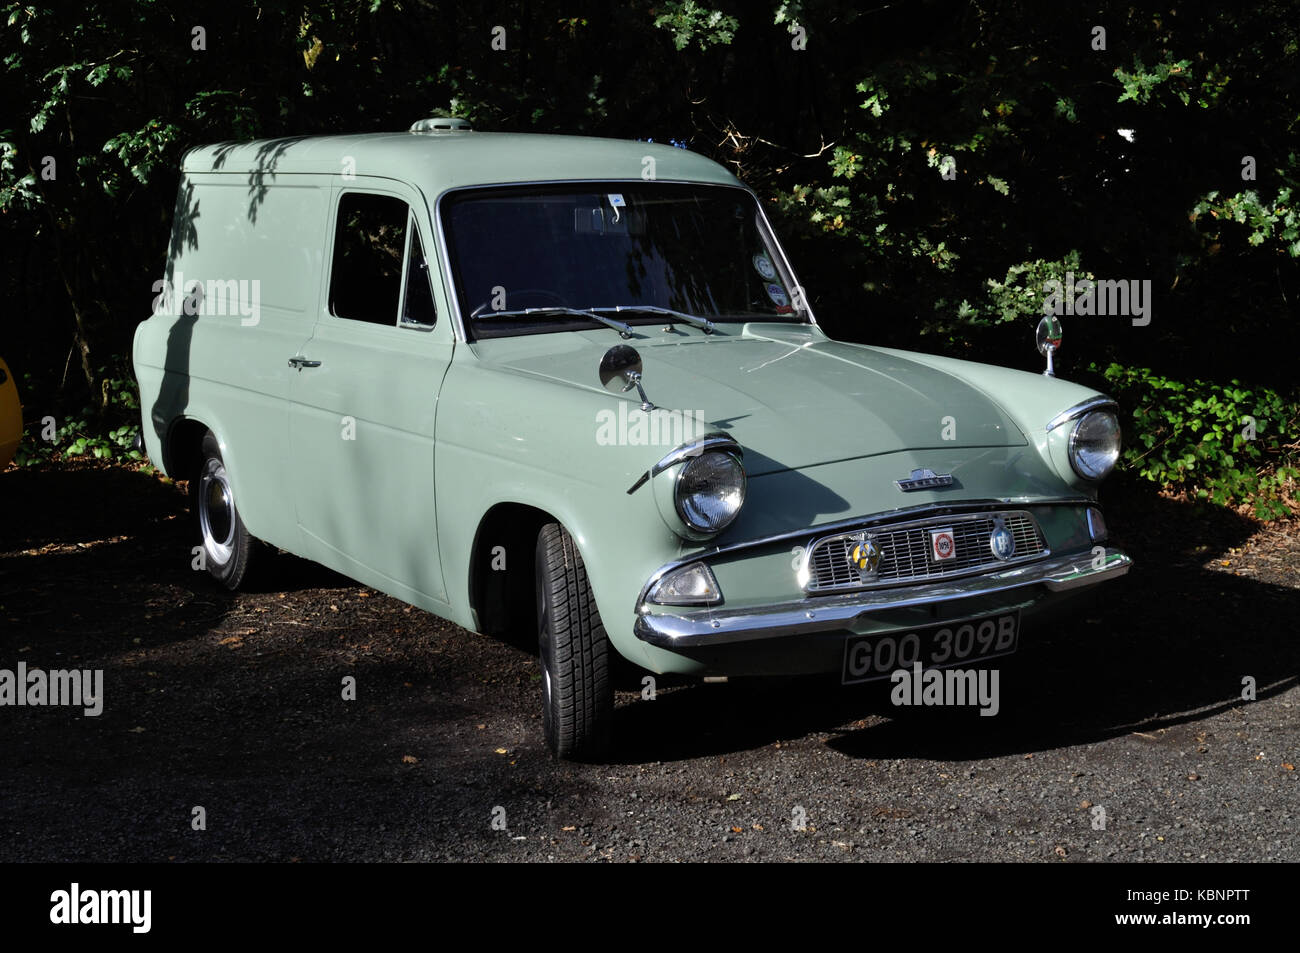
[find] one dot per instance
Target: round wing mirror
(620, 371)
(1048, 336)
(617, 366)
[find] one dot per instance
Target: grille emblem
(865, 556)
(924, 480)
(1001, 542)
(942, 544)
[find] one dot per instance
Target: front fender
(506, 437)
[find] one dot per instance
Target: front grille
(906, 555)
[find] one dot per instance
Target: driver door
(365, 398)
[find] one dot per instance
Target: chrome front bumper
(672, 627)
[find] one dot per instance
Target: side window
(418, 309)
(369, 244)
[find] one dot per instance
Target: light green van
(573, 386)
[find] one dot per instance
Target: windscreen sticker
(763, 265)
(778, 296)
(616, 202)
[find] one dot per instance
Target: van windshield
(529, 259)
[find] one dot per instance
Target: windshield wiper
(692, 319)
(623, 329)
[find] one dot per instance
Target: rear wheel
(577, 692)
(225, 546)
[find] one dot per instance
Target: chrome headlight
(1094, 444)
(710, 491)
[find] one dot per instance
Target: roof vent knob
(441, 124)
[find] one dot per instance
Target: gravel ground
(233, 703)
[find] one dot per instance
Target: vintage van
(573, 386)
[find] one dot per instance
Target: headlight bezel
(698, 528)
(1073, 452)
(665, 476)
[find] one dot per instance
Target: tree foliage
(931, 164)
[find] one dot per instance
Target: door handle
(301, 362)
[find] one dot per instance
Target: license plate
(869, 657)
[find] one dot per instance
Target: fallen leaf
(137, 731)
(757, 827)
(571, 827)
(1193, 777)
(1061, 852)
(410, 759)
(1289, 767)
(733, 797)
(737, 830)
(1085, 804)
(896, 812)
(501, 751)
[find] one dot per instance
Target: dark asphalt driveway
(233, 703)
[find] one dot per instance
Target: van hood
(789, 396)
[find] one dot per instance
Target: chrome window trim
(1100, 402)
(770, 234)
(445, 249)
(414, 235)
(860, 522)
(805, 562)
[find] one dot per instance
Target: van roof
(442, 161)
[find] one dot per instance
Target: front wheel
(225, 547)
(577, 693)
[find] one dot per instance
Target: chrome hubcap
(216, 512)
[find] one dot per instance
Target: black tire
(226, 547)
(577, 691)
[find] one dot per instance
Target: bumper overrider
(674, 627)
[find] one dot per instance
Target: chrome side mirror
(620, 371)
(1049, 340)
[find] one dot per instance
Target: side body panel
(220, 356)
